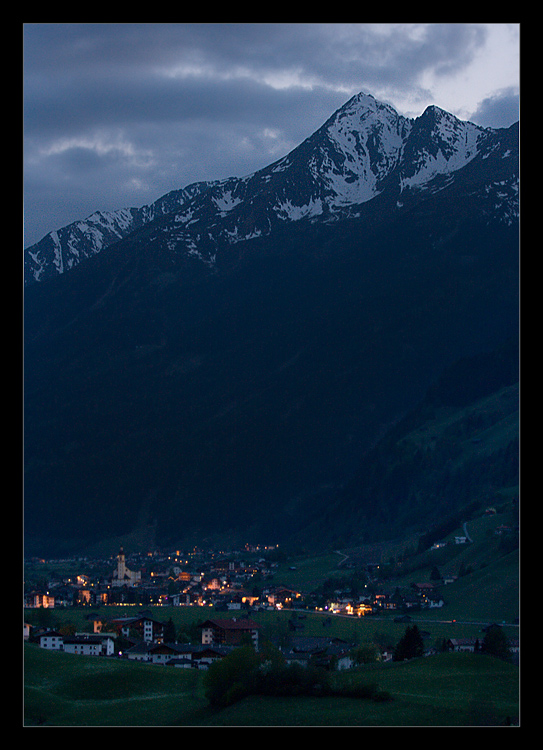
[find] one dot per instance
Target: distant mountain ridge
(224, 368)
(363, 150)
(63, 249)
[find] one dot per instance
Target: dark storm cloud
(123, 102)
(500, 110)
(173, 71)
(394, 55)
(118, 114)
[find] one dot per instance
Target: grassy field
(446, 690)
(69, 690)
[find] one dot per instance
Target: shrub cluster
(244, 672)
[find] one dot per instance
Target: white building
(89, 645)
(80, 643)
(51, 640)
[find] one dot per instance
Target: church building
(123, 576)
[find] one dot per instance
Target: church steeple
(121, 565)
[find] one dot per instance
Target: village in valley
(229, 590)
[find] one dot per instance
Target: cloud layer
(117, 115)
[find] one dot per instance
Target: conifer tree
(410, 645)
(495, 643)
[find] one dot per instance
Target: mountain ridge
(355, 155)
(184, 382)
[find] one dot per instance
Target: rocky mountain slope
(63, 249)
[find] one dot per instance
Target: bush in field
(366, 653)
(294, 679)
(245, 672)
(233, 677)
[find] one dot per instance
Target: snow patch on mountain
(226, 202)
(289, 211)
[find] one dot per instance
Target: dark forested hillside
(458, 449)
(169, 396)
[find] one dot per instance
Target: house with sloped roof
(89, 644)
(206, 655)
(230, 631)
(150, 652)
(141, 627)
(186, 655)
(462, 644)
(280, 597)
(330, 653)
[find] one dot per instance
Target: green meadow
(65, 690)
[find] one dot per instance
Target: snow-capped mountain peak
(440, 144)
(364, 149)
(364, 142)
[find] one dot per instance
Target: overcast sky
(116, 115)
